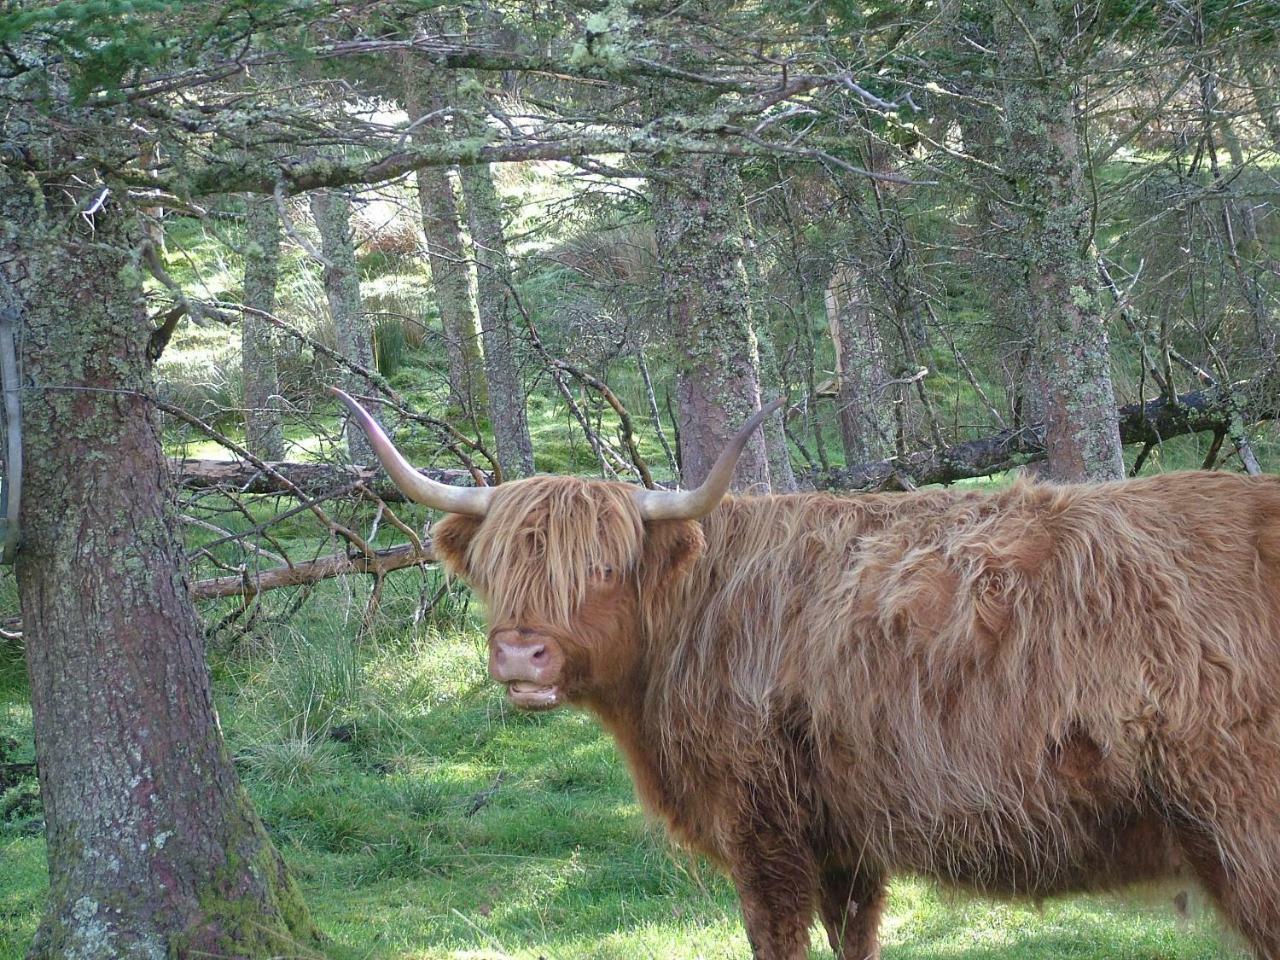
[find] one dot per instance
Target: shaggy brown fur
(1041, 690)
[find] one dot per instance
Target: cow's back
(1026, 674)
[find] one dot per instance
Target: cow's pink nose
(515, 656)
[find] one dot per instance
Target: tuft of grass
(293, 761)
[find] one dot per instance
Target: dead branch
(333, 526)
(249, 583)
(455, 440)
(624, 418)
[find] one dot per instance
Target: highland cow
(1036, 691)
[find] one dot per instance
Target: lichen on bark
(864, 412)
(704, 289)
(427, 92)
(507, 414)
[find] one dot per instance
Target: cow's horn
(470, 500)
(691, 504)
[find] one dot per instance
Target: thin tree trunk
(866, 426)
(782, 477)
(263, 431)
(1262, 88)
(154, 850)
(997, 267)
(1052, 223)
(704, 286)
(507, 415)
(331, 210)
(451, 268)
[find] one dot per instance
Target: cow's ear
(452, 540)
(671, 547)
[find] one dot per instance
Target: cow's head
(569, 569)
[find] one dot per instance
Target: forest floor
(425, 819)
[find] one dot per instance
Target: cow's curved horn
(469, 500)
(691, 504)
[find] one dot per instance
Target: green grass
(366, 761)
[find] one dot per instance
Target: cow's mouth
(532, 696)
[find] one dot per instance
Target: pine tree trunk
(154, 850)
(507, 414)
(782, 476)
(331, 210)
(263, 431)
(1051, 219)
(704, 286)
(451, 270)
(1262, 88)
(997, 266)
(866, 426)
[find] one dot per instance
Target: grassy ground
(425, 819)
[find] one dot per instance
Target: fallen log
(315, 480)
(250, 583)
(1215, 408)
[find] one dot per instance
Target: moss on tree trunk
(154, 850)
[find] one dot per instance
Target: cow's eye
(603, 572)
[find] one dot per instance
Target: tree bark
(997, 267)
(704, 290)
(451, 268)
(866, 428)
(782, 476)
(263, 430)
(507, 415)
(331, 210)
(154, 850)
(1051, 217)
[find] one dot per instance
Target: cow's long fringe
(546, 541)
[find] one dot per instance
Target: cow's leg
(851, 903)
(1237, 859)
(1230, 834)
(776, 881)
